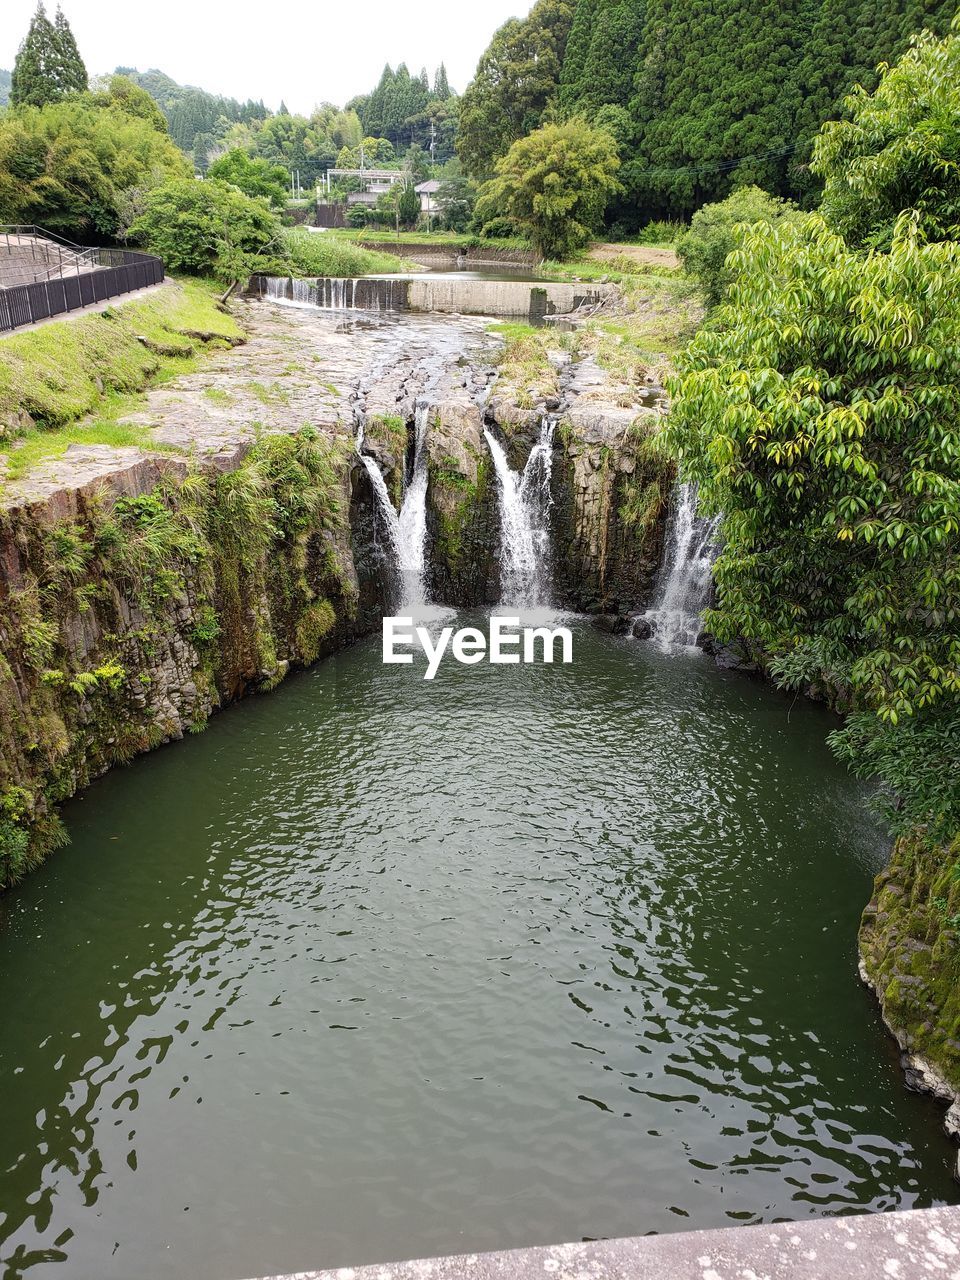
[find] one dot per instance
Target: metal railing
(69, 278)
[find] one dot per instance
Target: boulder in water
(611, 623)
(642, 628)
(730, 657)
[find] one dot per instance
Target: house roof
(428, 188)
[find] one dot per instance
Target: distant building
(373, 183)
(427, 191)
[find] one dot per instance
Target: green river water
(378, 968)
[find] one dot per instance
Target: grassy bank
(60, 373)
(313, 253)
(442, 239)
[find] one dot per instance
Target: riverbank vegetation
(700, 100)
(61, 372)
(819, 411)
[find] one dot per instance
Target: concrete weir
(907, 1246)
(519, 298)
(515, 299)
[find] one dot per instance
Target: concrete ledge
(878, 1246)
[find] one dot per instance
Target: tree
(72, 73)
(206, 228)
(454, 198)
(254, 177)
(69, 165)
(441, 86)
(554, 184)
(712, 236)
(129, 98)
(377, 154)
(408, 203)
(820, 412)
(717, 94)
(48, 65)
(417, 163)
(900, 149)
(516, 79)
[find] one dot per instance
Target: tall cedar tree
(48, 65)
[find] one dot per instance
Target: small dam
(514, 299)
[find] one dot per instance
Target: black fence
(111, 272)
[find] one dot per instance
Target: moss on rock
(910, 945)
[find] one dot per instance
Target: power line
(718, 166)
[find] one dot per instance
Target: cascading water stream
(330, 293)
(406, 530)
(525, 521)
(685, 576)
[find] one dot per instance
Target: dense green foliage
(702, 98)
(48, 66)
(703, 249)
(820, 411)
(554, 185)
(254, 177)
(516, 79)
(196, 118)
(206, 228)
(72, 166)
(899, 149)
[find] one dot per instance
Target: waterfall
(333, 293)
(525, 521)
(413, 518)
(683, 585)
(406, 531)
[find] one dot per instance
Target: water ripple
(380, 968)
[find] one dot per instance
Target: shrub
(69, 165)
(254, 176)
(714, 234)
(206, 228)
(555, 184)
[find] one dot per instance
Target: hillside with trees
(411, 110)
(194, 117)
(701, 99)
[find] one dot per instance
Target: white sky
(303, 51)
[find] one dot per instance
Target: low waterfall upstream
(525, 521)
(328, 293)
(406, 529)
(683, 587)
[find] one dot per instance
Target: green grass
(272, 394)
(621, 270)
(61, 372)
(442, 239)
(313, 253)
(40, 445)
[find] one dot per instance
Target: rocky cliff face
(910, 949)
(134, 605)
